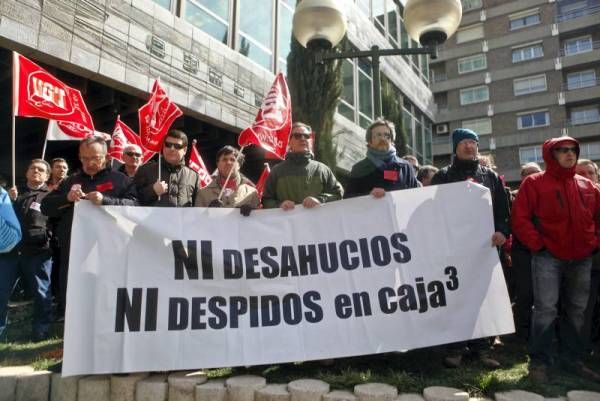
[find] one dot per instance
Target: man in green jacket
(300, 179)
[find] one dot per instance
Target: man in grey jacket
(178, 184)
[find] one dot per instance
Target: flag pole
(45, 144)
(229, 175)
(13, 151)
(159, 168)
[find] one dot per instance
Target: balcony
(579, 13)
(587, 83)
(589, 119)
(582, 49)
(582, 91)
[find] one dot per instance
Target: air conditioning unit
(441, 129)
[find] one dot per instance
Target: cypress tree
(391, 105)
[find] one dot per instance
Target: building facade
(216, 59)
(519, 72)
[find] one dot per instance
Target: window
(378, 7)
(255, 39)
(468, 5)
(284, 34)
(210, 16)
(578, 45)
(483, 126)
(528, 52)
(474, 95)
(530, 154)
(163, 3)
(346, 105)
(524, 19)
(581, 79)
(585, 115)
(571, 9)
(472, 63)
(533, 119)
(525, 86)
(469, 33)
(590, 150)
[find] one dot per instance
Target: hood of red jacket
(552, 166)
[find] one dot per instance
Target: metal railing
(579, 13)
(437, 77)
(594, 46)
(587, 83)
(583, 120)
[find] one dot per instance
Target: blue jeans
(35, 271)
(548, 275)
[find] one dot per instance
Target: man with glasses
(178, 184)
(132, 160)
(299, 179)
(96, 183)
(466, 167)
(556, 215)
(382, 170)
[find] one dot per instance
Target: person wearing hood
(178, 184)
(239, 191)
(299, 179)
(95, 182)
(556, 215)
(382, 170)
(31, 258)
(466, 166)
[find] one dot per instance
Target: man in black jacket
(178, 184)
(382, 170)
(96, 183)
(31, 258)
(465, 166)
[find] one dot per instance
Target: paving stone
(34, 386)
(272, 392)
(94, 388)
(213, 390)
(339, 395)
(410, 397)
(375, 392)
(518, 395)
(182, 385)
(307, 389)
(63, 388)
(122, 387)
(242, 388)
(577, 395)
(152, 388)
(438, 393)
(8, 381)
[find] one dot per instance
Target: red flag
(62, 131)
(156, 117)
(271, 129)
(123, 136)
(196, 164)
(36, 93)
(260, 185)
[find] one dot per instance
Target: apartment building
(519, 72)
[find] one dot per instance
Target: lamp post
(320, 25)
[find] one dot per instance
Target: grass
(409, 372)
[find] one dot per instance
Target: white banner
(158, 289)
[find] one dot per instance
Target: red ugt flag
(36, 93)
(260, 185)
(123, 136)
(196, 164)
(271, 129)
(156, 117)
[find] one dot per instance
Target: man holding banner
(300, 179)
(96, 183)
(176, 185)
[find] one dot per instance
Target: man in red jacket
(557, 216)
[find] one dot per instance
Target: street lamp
(320, 25)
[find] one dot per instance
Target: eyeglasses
(133, 154)
(300, 135)
(564, 150)
(386, 135)
(173, 145)
(87, 159)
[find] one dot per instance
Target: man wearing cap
(556, 215)
(299, 179)
(132, 160)
(465, 166)
(382, 170)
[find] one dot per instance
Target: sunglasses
(300, 135)
(564, 150)
(172, 145)
(133, 154)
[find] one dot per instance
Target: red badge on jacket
(390, 175)
(105, 186)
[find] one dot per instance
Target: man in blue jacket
(10, 230)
